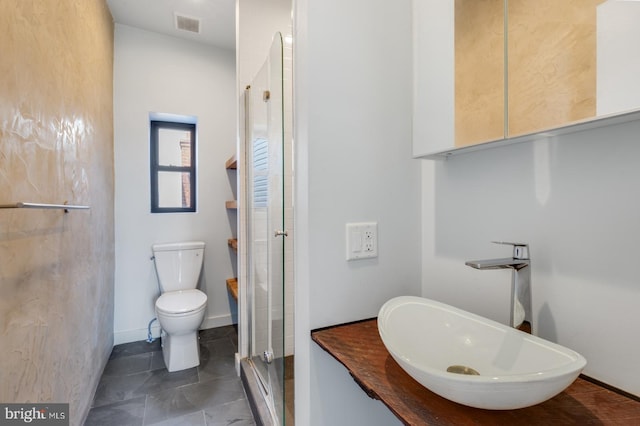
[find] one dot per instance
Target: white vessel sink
(515, 369)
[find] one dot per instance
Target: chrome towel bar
(21, 205)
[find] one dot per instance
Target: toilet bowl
(180, 309)
(180, 314)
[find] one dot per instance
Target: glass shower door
(265, 191)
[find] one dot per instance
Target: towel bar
(22, 205)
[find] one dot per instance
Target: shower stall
(266, 231)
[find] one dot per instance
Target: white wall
(352, 69)
(157, 73)
(258, 20)
(574, 200)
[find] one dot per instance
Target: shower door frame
(267, 373)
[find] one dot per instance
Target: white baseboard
(137, 334)
(217, 321)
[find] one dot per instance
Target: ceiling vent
(187, 23)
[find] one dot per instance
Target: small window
(173, 167)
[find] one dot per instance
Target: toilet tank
(178, 264)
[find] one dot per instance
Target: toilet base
(180, 352)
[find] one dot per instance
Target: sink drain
(462, 369)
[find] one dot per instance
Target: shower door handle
(267, 357)
(282, 233)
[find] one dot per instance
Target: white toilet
(180, 307)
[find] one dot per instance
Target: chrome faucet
(519, 263)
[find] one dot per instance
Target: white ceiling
(217, 26)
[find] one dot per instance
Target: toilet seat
(181, 302)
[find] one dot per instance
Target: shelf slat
(232, 286)
(233, 243)
(231, 163)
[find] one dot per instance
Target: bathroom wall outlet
(362, 240)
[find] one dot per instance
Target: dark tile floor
(137, 390)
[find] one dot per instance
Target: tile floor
(136, 388)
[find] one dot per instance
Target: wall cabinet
(490, 71)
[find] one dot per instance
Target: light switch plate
(362, 240)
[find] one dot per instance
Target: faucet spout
(505, 263)
(519, 263)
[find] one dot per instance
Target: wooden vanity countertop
(359, 348)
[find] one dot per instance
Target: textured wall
(56, 145)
